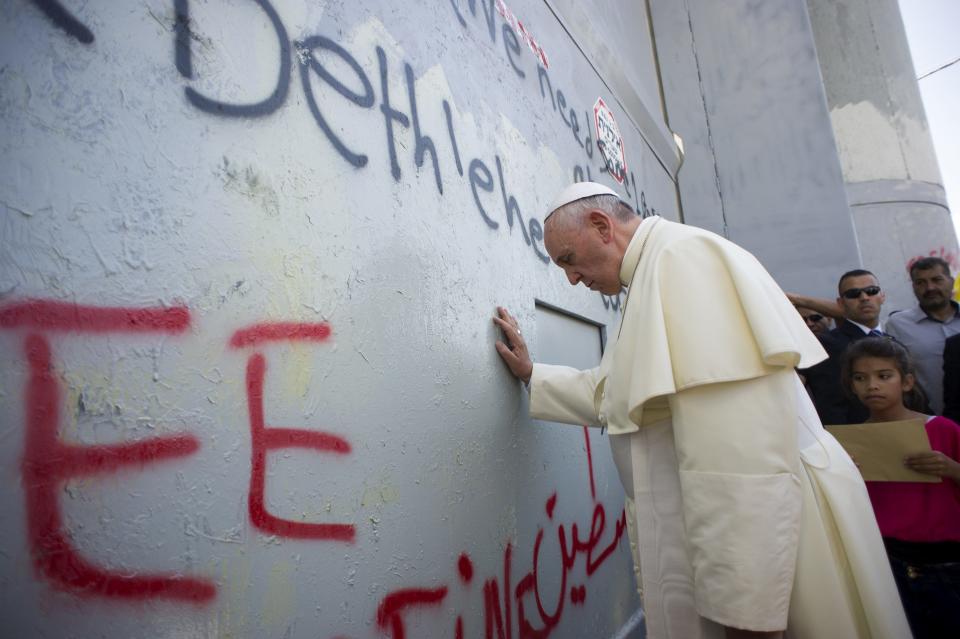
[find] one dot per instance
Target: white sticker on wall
(609, 140)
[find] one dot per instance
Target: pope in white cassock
(751, 520)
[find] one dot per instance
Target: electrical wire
(941, 68)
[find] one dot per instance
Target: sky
(932, 27)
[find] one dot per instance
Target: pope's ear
(600, 222)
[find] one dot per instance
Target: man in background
(860, 299)
(924, 328)
(817, 322)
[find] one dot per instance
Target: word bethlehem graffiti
(482, 176)
(48, 462)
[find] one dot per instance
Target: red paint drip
(551, 503)
(47, 463)
(465, 566)
(390, 611)
(64, 316)
(507, 554)
(280, 331)
(265, 439)
(578, 595)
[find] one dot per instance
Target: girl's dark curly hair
(884, 348)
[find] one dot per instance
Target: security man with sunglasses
(860, 300)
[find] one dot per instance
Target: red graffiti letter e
(271, 438)
(48, 462)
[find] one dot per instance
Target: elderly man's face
(816, 322)
(584, 255)
(933, 288)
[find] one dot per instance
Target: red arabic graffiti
(588, 546)
(497, 609)
(493, 615)
(390, 611)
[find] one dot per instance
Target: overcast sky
(933, 30)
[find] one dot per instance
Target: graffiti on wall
(510, 594)
(525, 595)
(478, 171)
(48, 462)
(65, 20)
(943, 253)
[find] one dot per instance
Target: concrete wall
(742, 88)
(250, 255)
(893, 183)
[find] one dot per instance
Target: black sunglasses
(854, 293)
(813, 317)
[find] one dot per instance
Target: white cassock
(748, 513)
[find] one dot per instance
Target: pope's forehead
(556, 234)
(559, 241)
(555, 247)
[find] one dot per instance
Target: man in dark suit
(860, 299)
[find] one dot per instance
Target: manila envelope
(880, 447)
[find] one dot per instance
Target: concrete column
(892, 179)
(742, 87)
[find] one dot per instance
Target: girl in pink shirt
(920, 522)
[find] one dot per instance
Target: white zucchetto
(578, 191)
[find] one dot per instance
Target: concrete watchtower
(892, 179)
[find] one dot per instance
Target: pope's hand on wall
(513, 350)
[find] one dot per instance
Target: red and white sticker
(522, 32)
(609, 140)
